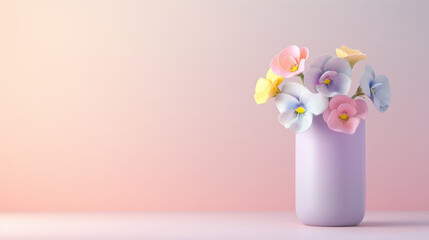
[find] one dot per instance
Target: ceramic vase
(330, 176)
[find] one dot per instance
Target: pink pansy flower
(290, 61)
(344, 113)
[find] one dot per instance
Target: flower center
(293, 68)
(344, 117)
(300, 110)
(327, 81)
(373, 91)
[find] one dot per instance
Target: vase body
(330, 175)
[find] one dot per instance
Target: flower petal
(311, 78)
(351, 125)
(349, 51)
(261, 97)
(338, 125)
(292, 51)
(300, 67)
(303, 123)
(320, 61)
(379, 105)
(327, 75)
(298, 123)
(294, 89)
(383, 80)
(341, 53)
(262, 85)
(288, 62)
(383, 108)
(348, 109)
(303, 53)
(365, 81)
(339, 99)
(338, 65)
(272, 77)
(353, 59)
(362, 109)
(275, 65)
(326, 114)
(287, 118)
(326, 90)
(369, 69)
(314, 103)
(341, 83)
(383, 96)
(286, 102)
(351, 55)
(287, 74)
(334, 122)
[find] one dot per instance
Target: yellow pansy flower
(267, 88)
(351, 55)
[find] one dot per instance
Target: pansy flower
(351, 55)
(329, 76)
(290, 61)
(377, 88)
(344, 113)
(267, 88)
(297, 105)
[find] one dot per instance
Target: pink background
(133, 105)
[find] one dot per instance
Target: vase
(330, 175)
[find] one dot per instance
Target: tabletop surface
(204, 225)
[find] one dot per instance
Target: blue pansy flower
(377, 88)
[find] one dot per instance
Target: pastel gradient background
(148, 105)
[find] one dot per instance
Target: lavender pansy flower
(377, 88)
(297, 105)
(329, 76)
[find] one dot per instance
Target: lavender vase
(330, 176)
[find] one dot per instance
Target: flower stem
(358, 93)
(301, 75)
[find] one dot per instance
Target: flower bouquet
(330, 127)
